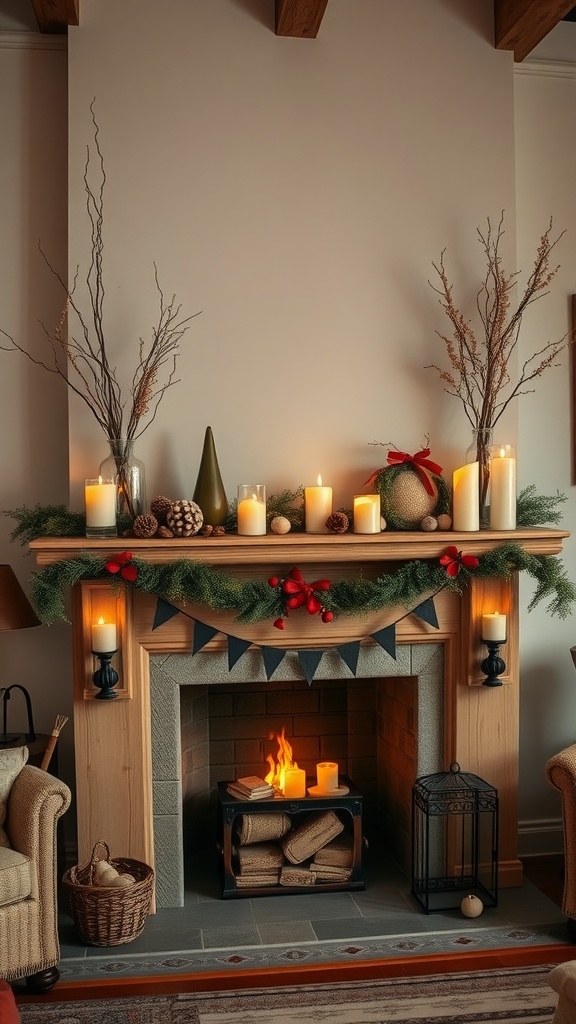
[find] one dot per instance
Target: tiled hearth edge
(169, 672)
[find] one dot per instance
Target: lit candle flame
(319, 480)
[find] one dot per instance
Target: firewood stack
(268, 850)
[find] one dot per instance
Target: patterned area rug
(484, 997)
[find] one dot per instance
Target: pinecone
(184, 518)
(145, 526)
(160, 508)
(338, 522)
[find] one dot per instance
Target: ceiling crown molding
(32, 41)
(546, 68)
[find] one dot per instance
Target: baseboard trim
(540, 838)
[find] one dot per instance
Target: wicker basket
(106, 915)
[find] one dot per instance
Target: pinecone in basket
(160, 508)
(184, 518)
(145, 526)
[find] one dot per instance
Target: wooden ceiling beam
(54, 16)
(299, 17)
(520, 25)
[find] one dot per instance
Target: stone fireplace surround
(393, 731)
(113, 739)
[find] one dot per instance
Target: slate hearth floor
(382, 921)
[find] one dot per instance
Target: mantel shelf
(304, 547)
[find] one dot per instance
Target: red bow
(454, 560)
(419, 461)
(300, 593)
(120, 563)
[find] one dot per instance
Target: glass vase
(128, 474)
(479, 451)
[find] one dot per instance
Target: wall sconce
(493, 635)
(104, 647)
(16, 612)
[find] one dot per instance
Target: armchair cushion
(16, 876)
(12, 761)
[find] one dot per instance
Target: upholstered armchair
(561, 772)
(35, 800)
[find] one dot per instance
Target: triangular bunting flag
(236, 648)
(272, 657)
(164, 612)
(349, 654)
(427, 612)
(202, 635)
(387, 639)
(309, 661)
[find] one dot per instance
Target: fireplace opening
(383, 728)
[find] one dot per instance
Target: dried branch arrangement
(479, 373)
(82, 360)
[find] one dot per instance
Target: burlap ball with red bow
(410, 487)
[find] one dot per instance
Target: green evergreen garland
(186, 580)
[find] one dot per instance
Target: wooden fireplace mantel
(112, 739)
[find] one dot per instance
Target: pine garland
(186, 580)
(534, 509)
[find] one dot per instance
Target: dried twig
(82, 360)
(480, 376)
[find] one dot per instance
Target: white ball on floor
(471, 906)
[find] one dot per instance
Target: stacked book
(251, 787)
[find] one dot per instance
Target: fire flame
(277, 774)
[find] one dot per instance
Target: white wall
(33, 404)
(545, 94)
(297, 191)
(294, 191)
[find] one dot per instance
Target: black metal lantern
(454, 840)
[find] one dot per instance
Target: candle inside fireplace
(494, 627)
(295, 783)
(103, 636)
(327, 776)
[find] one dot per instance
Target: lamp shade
(16, 612)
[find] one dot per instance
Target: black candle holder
(105, 677)
(493, 665)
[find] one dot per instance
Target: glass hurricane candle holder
(502, 487)
(100, 502)
(252, 510)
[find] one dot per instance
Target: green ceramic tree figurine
(209, 492)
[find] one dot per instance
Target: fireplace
(114, 740)
(383, 727)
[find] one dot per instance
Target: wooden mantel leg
(487, 719)
(112, 738)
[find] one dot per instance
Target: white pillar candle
(317, 507)
(502, 488)
(295, 783)
(327, 776)
(465, 498)
(366, 513)
(103, 636)
(100, 501)
(252, 510)
(494, 627)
